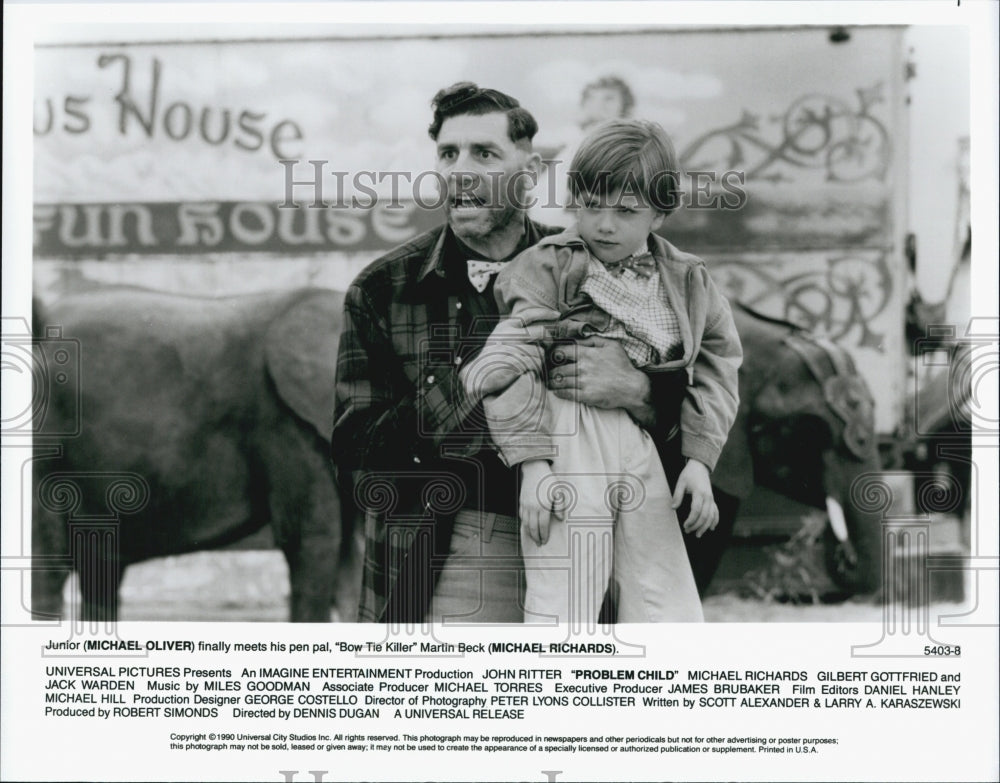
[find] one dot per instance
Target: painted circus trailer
(237, 167)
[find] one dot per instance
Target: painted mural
(174, 164)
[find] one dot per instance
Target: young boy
(593, 489)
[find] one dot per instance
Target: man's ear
(533, 163)
(658, 221)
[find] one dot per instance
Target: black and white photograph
(491, 392)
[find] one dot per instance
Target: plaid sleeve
(381, 421)
(370, 414)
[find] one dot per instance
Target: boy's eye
(485, 154)
(447, 154)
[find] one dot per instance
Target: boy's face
(615, 226)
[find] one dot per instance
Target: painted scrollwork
(843, 139)
(843, 296)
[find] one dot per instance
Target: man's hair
(633, 156)
(612, 83)
(468, 98)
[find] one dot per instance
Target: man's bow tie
(480, 272)
(643, 264)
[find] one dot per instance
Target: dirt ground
(252, 586)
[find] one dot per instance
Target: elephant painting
(193, 423)
(202, 420)
(805, 429)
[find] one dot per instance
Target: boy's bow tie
(480, 272)
(643, 264)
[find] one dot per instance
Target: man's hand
(536, 517)
(597, 372)
(696, 482)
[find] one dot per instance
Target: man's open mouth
(467, 202)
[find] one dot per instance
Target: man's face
(487, 175)
(601, 103)
(616, 225)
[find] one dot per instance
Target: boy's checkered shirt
(641, 316)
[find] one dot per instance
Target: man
(440, 524)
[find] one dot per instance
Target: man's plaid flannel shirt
(399, 402)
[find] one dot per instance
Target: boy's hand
(696, 482)
(535, 516)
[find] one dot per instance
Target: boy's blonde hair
(632, 156)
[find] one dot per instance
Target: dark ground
(758, 582)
